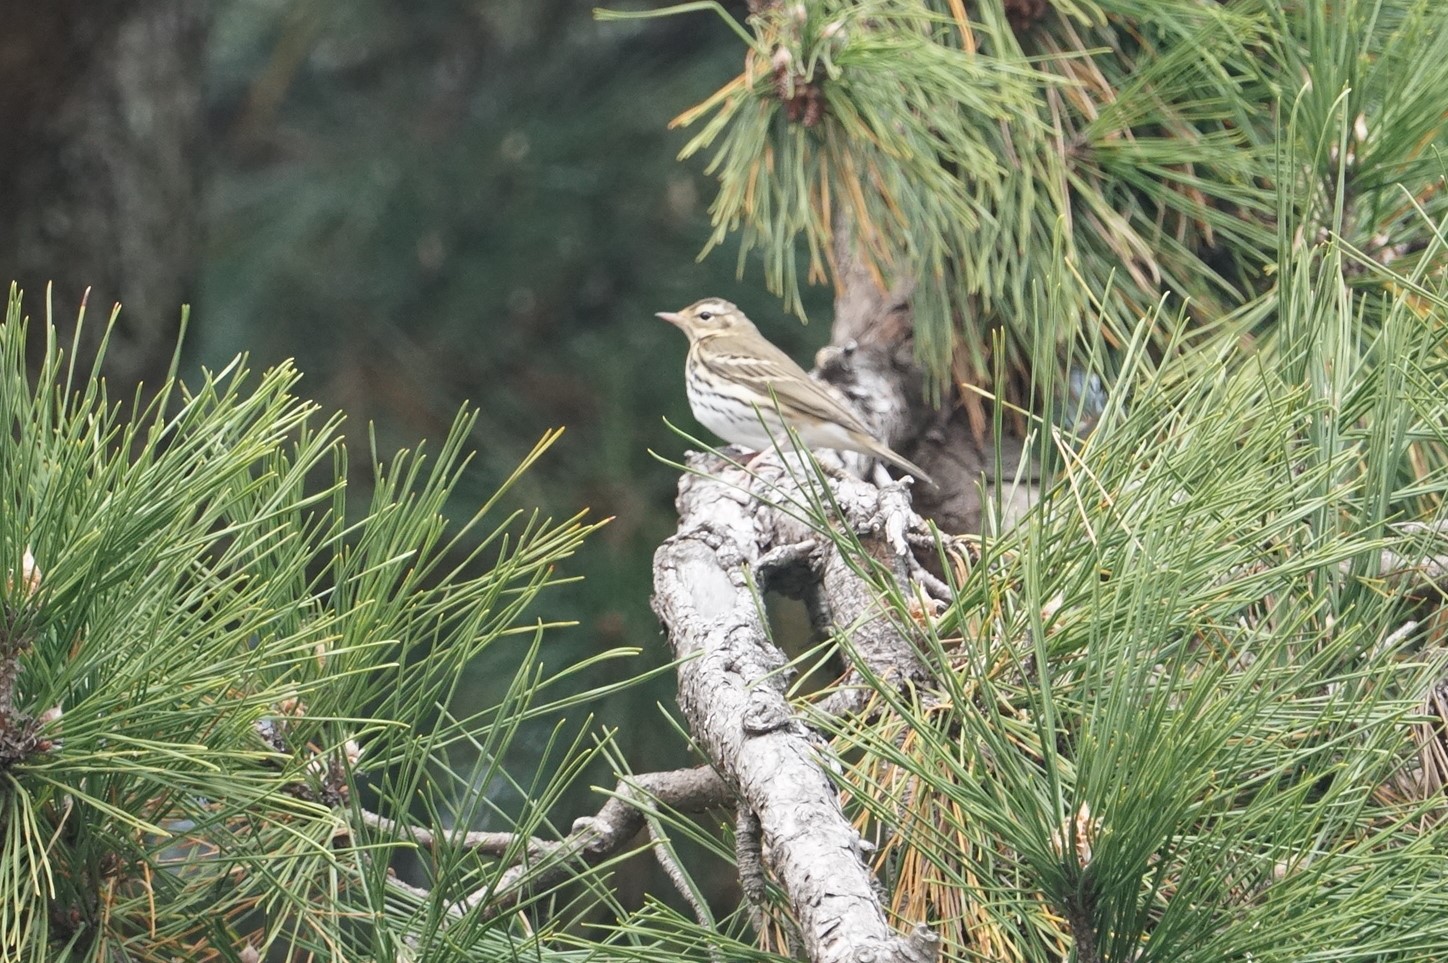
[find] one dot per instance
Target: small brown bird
(740, 385)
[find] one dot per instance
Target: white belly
(736, 423)
(760, 428)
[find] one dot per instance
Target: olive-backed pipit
(744, 389)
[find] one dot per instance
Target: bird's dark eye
(705, 315)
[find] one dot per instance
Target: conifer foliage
(1189, 707)
(210, 659)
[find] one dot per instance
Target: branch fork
(733, 691)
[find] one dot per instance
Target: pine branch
(235, 652)
(732, 690)
(541, 863)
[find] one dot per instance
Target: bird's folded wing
(774, 374)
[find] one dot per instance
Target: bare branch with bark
(733, 680)
(542, 862)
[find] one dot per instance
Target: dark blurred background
(424, 202)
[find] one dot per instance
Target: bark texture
(732, 689)
(99, 166)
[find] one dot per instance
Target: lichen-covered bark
(732, 691)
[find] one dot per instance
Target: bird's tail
(880, 450)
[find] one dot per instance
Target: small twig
(593, 839)
(896, 519)
(488, 843)
(664, 853)
(416, 892)
(1395, 638)
(597, 838)
(937, 587)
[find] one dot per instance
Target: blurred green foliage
(434, 201)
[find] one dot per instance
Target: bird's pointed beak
(673, 317)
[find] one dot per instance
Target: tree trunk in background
(871, 357)
(100, 107)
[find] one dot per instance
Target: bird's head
(711, 316)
